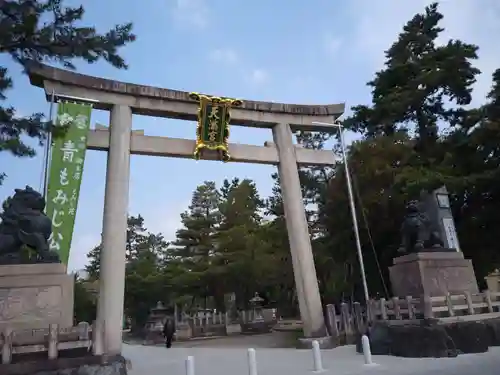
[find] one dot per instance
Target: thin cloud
(191, 13)
(231, 58)
(258, 76)
(227, 56)
(332, 44)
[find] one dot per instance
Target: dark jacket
(169, 327)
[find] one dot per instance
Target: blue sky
(310, 52)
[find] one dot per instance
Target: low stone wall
(257, 327)
(233, 329)
(183, 332)
(431, 338)
(209, 330)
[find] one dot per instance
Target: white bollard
(252, 362)
(367, 353)
(190, 365)
(318, 365)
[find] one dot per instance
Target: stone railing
(52, 341)
(224, 318)
(217, 324)
(449, 307)
(465, 307)
(343, 323)
(207, 319)
(351, 318)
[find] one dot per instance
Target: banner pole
(48, 148)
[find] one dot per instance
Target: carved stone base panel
(82, 365)
(432, 274)
(35, 295)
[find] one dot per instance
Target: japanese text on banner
(65, 174)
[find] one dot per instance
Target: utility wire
(365, 220)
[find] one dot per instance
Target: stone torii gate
(122, 100)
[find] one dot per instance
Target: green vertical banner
(65, 174)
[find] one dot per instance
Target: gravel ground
(148, 360)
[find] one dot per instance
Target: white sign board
(451, 233)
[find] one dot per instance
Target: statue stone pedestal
(432, 274)
(32, 296)
(493, 281)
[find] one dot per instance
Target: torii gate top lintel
(161, 102)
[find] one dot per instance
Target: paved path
(147, 360)
(267, 340)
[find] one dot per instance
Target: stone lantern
(256, 303)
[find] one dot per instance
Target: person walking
(169, 331)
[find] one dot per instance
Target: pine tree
(238, 261)
(274, 235)
(418, 135)
(493, 107)
(34, 31)
(194, 247)
(85, 303)
(93, 266)
(241, 204)
(476, 147)
(419, 78)
(144, 281)
(194, 241)
(136, 235)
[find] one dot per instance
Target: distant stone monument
(256, 304)
(430, 265)
(156, 320)
(35, 290)
(438, 209)
(257, 322)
